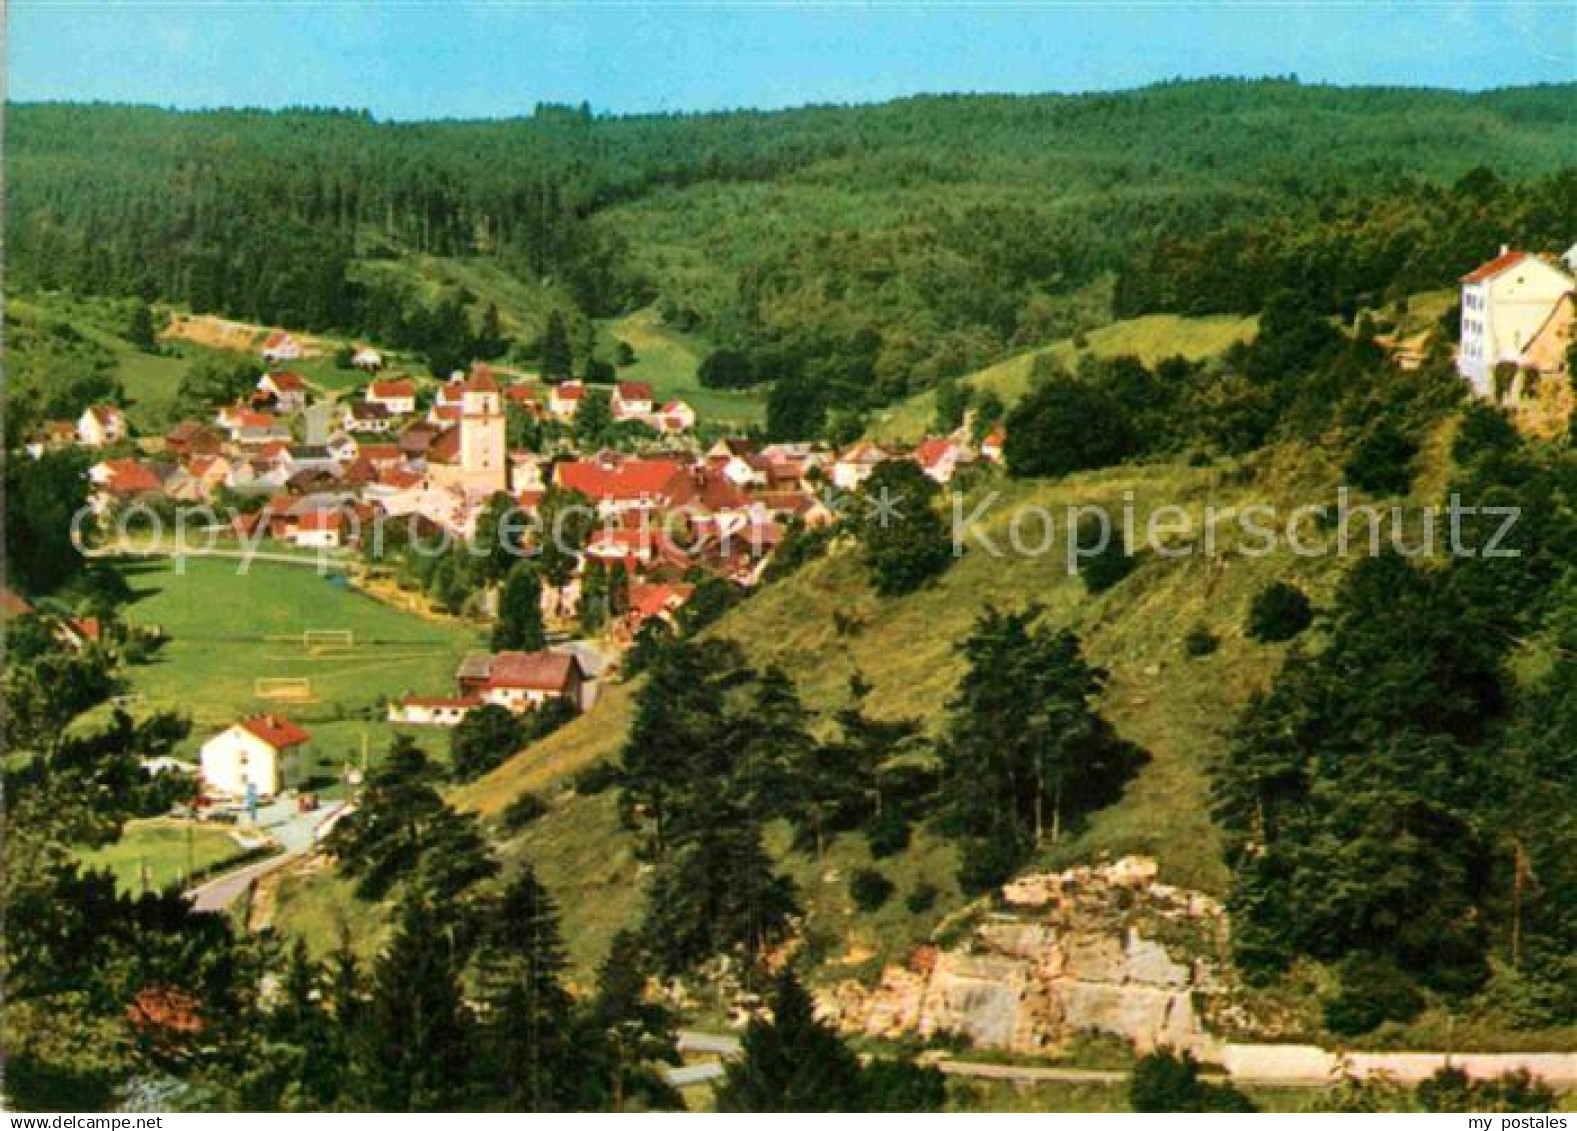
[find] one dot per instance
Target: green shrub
(1200, 641)
(595, 779)
(888, 834)
(1372, 991)
(922, 898)
(1279, 612)
(869, 889)
(522, 811)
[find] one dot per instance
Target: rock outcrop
(1103, 948)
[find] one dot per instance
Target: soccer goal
(293, 689)
(328, 639)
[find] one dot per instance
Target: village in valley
(335, 475)
(325, 481)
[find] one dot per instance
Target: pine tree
(140, 330)
(636, 1034)
(416, 1052)
(791, 1062)
(592, 609)
(556, 359)
(519, 624)
(527, 1031)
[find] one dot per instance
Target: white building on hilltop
(1505, 303)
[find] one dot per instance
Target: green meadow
(154, 854)
(668, 360)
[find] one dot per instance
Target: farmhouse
(432, 710)
(366, 416)
(99, 425)
(940, 456)
(280, 346)
(397, 395)
(564, 400)
(855, 464)
(249, 754)
(1505, 303)
(522, 681)
(631, 400)
(284, 392)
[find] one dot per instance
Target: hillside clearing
(1151, 338)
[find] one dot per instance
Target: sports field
(226, 630)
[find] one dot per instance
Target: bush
(1372, 991)
(1111, 564)
(922, 898)
(1280, 612)
(1067, 425)
(522, 811)
(596, 779)
(869, 889)
(1167, 1081)
(888, 834)
(1382, 460)
(1200, 641)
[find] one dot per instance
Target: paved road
(297, 834)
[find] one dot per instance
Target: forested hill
(862, 250)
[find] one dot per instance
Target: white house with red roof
(1505, 303)
(321, 528)
(250, 754)
(280, 346)
(675, 416)
(397, 395)
(432, 710)
(564, 399)
(287, 392)
(991, 445)
(855, 464)
(99, 425)
(940, 456)
(631, 400)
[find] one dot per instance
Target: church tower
(484, 463)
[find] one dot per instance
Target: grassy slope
(217, 621)
(1177, 708)
(1151, 338)
(669, 359)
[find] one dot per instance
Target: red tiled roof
(276, 730)
(532, 671)
(482, 382)
(634, 391)
(521, 392)
(275, 339)
(288, 382)
(650, 600)
(621, 479)
(392, 388)
(130, 477)
(569, 391)
(320, 520)
(1503, 262)
(440, 701)
(105, 414)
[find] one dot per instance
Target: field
(220, 624)
(668, 360)
(1151, 338)
(153, 854)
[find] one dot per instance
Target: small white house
(631, 400)
(280, 346)
(286, 391)
(250, 753)
(99, 425)
(431, 710)
(676, 416)
(855, 465)
(367, 358)
(397, 395)
(564, 399)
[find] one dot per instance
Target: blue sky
(411, 60)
